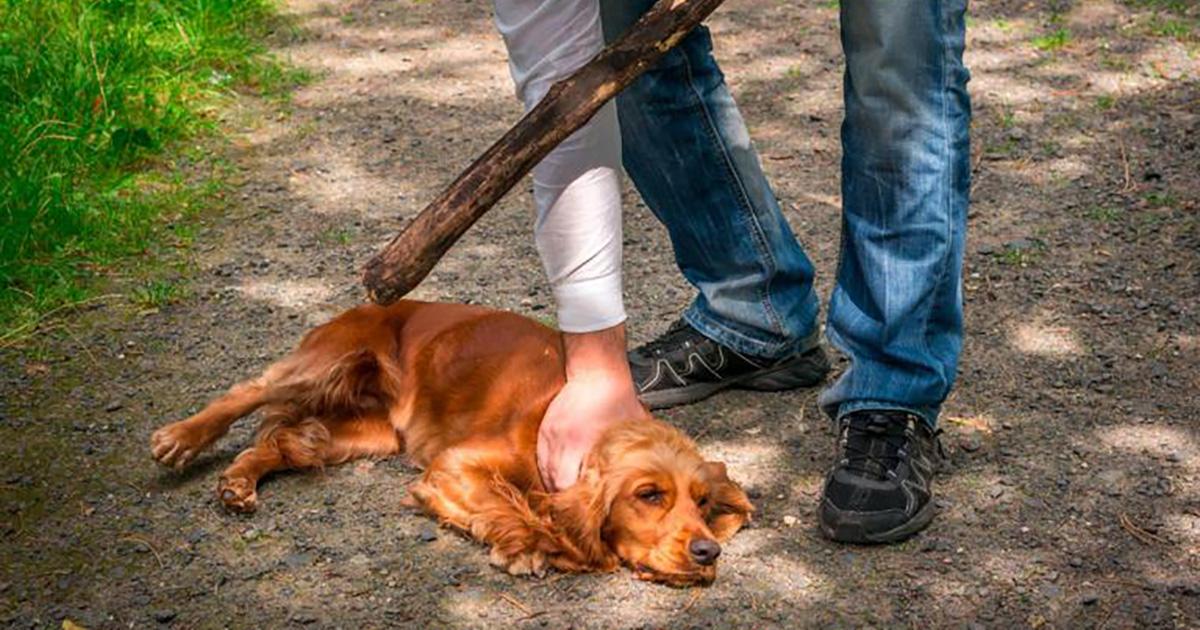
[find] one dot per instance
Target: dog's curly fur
(461, 391)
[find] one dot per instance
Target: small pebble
(789, 520)
(164, 616)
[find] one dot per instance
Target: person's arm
(599, 392)
(578, 233)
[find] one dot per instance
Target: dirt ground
(1072, 496)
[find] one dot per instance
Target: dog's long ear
(578, 515)
(731, 508)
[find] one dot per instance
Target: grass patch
(1175, 6)
(336, 235)
(1104, 214)
(1176, 28)
(1161, 199)
(96, 99)
(1021, 252)
(1053, 41)
(157, 294)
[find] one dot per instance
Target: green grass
(1053, 41)
(1177, 6)
(1176, 28)
(1104, 214)
(1162, 199)
(96, 100)
(157, 294)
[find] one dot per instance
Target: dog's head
(646, 499)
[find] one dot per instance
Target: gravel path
(1073, 495)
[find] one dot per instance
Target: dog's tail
(358, 381)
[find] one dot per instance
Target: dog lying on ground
(461, 391)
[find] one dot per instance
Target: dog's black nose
(704, 551)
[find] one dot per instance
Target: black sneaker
(880, 490)
(682, 366)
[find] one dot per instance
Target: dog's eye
(702, 501)
(651, 495)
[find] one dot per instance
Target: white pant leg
(576, 188)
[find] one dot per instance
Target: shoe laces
(875, 444)
(670, 339)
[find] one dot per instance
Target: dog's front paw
(176, 445)
(238, 495)
(522, 563)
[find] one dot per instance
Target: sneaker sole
(806, 370)
(847, 528)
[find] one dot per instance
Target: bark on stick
(410, 256)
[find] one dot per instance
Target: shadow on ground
(1071, 496)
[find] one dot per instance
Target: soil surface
(1072, 495)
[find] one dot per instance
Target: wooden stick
(569, 104)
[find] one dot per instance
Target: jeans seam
(948, 176)
(743, 199)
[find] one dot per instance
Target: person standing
(896, 308)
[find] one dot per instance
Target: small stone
(427, 535)
(1089, 598)
(164, 616)
(1019, 245)
(1075, 562)
(304, 618)
(1111, 481)
(970, 442)
(297, 560)
(251, 534)
(789, 520)
(113, 406)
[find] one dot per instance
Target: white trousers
(576, 188)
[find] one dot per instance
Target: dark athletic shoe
(682, 366)
(880, 490)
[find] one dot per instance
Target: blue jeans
(896, 310)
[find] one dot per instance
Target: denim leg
(687, 149)
(896, 310)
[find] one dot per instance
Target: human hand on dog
(599, 392)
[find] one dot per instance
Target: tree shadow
(1071, 500)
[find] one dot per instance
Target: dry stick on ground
(569, 104)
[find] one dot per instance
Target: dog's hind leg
(310, 443)
(178, 443)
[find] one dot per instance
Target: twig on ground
(1129, 185)
(1139, 533)
(19, 333)
(977, 172)
(149, 546)
(535, 615)
(516, 603)
(696, 594)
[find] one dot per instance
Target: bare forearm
(598, 355)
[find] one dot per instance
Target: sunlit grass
(1056, 40)
(95, 98)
